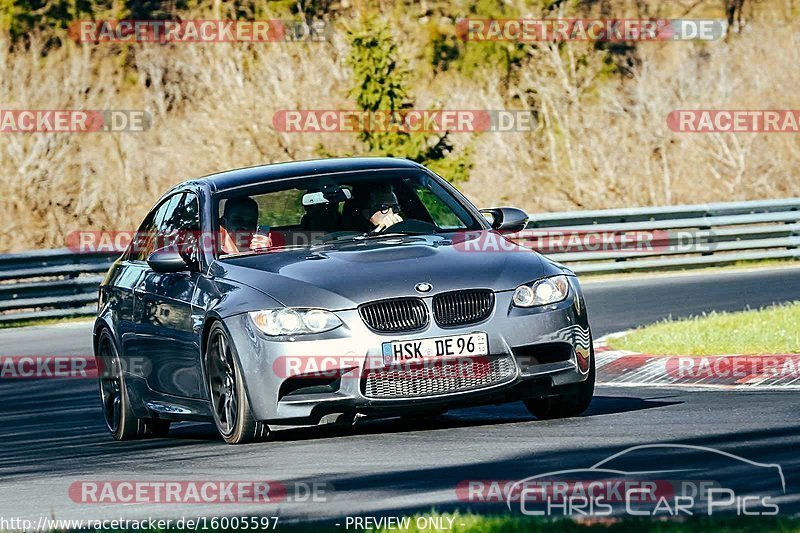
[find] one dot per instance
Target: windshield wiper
(394, 234)
(338, 238)
(259, 251)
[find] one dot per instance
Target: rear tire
(229, 404)
(573, 401)
(117, 411)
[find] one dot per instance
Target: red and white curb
(768, 371)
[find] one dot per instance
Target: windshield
(335, 208)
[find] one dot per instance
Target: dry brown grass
(603, 140)
(606, 144)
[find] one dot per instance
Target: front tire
(229, 404)
(572, 401)
(117, 410)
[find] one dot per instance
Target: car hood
(344, 275)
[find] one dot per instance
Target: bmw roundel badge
(423, 287)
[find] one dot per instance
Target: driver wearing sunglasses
(383, 210)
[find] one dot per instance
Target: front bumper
(548, 347)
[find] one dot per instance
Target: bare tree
(734, 10)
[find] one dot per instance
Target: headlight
(542, 292)
(290, 321)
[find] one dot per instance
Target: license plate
(471, 344)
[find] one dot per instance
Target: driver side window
(171, 223)
(147, 237)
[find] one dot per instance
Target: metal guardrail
(61, 283)
(680, 237)
(50, 284)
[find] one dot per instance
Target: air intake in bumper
(463, 374)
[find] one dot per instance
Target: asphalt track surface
(52, 433)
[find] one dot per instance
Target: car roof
(295, 169)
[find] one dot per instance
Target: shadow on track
(55, 427)
(778, 446)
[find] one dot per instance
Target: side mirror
(168, 260)
(506, 218)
